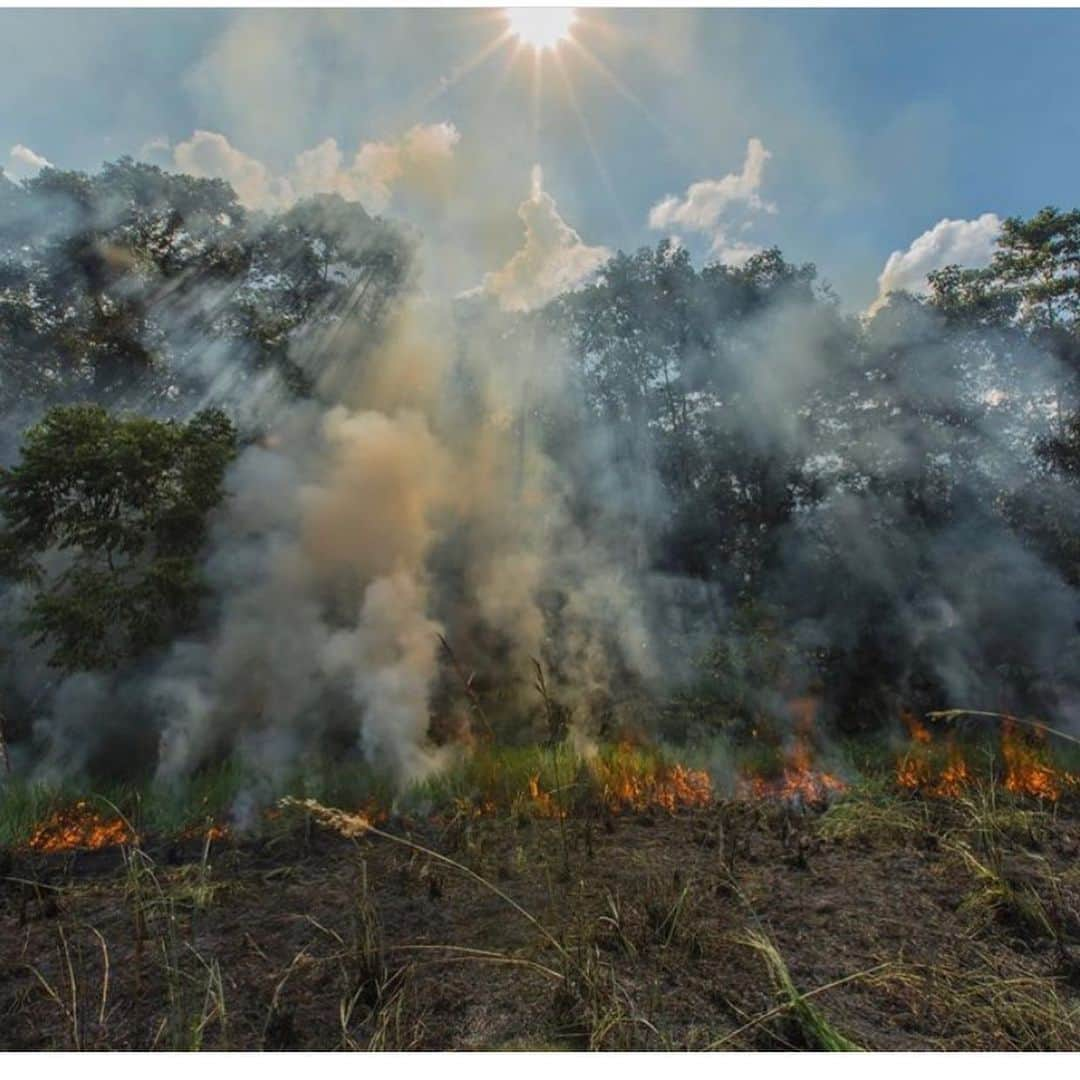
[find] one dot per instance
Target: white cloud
(715, 207)
(420, 161)
(22, 162)
(552, 259)
(210, 155)
(951, 240)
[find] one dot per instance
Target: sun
(541, 28)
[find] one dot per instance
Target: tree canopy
(105, 518)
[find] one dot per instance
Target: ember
(79, 827)
(208, 832)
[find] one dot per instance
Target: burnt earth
(301, 939)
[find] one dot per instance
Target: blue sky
(873, 126)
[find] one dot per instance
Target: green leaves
(1040, 259)
(107, 516)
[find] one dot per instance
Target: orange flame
(543, 802)
(918, 731)
(799, 782)
(1026, 770)
(916, 770)
(954, 777)
(211, 831)
(632, 782)
(1024, 753)
(79, 827)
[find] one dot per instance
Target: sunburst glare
(541, 28)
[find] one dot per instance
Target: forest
(696, 656)
(878, 509)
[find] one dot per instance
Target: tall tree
(105, 517)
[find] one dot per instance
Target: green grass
(873, 811)
(498, 778)
(816, 1030)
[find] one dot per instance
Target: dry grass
(904, 922)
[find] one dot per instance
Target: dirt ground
(895, 924)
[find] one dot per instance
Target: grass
(816, 1030)
(497, 778)
(589, 1003)
(874, 812)
(987, 1008)
(606, 950)
(600, 953)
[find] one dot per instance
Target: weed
(816, 1030)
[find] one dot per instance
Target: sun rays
(546, 52)
(541, 28)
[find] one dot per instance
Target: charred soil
(884, 922)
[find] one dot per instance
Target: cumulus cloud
(211, 155)
(22, 162)
(951, 240)
(419, 162)
(552, 259)
(716, 207)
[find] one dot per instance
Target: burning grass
(80, 827)
(561, 782)
(324, 928)
(558, 781)
(798, 782)
(1022, 762)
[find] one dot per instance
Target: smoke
(407, 501)
(22, 162)
(914, 578)
(446, 476)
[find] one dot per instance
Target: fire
(79, 827)
(210, 832)
(799, 781)
(954, 777)
(630, 781)
(917, 769)
(1027, 770)
(918, 731)
(543, 802)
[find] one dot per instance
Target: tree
(971, 298)
(1038, 260)
(135, 284)
(105, 518)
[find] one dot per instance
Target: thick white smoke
(376, 518)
